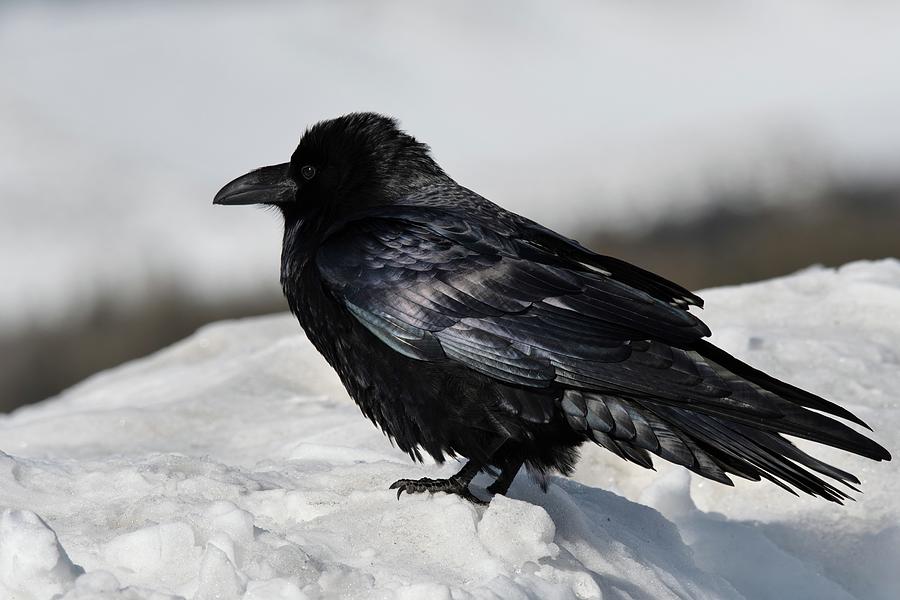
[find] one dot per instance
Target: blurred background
(715, 143)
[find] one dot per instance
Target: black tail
(740, 437)
(796, 421)
(767, 382)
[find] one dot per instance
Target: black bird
(462, 329)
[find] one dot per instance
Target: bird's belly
(399, 397)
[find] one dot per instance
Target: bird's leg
(458, 484)
(506, 477)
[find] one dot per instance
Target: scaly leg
(506, 477)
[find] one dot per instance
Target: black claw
(426, 484)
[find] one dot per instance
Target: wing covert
(456, 290)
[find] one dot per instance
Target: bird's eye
(308, 172)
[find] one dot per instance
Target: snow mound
(233, 466)
(32, 563)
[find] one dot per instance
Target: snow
(119, 121)
(233, 465)
(31, 559)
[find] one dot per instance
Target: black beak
(268, 185)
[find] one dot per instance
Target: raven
(463, 329)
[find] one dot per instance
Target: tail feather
(776, 386)
(790, 402)
(761, 453)
(741, 434)
(784, 447)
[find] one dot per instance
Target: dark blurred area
(721, 247)
(41, 362)
(726, 246)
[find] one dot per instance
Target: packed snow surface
(233, 465)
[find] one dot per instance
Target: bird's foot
(426, 484)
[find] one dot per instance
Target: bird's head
(340, 165)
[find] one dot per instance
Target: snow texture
(120, 120)
(233, 465)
